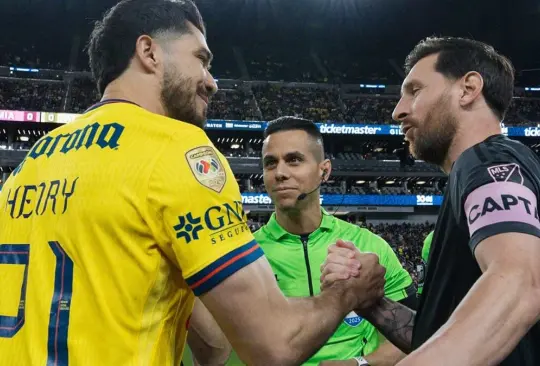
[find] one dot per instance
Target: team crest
(506, 173)
(352, 319)
(207, 168)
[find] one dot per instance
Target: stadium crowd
(259, 102)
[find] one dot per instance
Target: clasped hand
(362, 274)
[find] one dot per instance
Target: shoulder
(488, 153)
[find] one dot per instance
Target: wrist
(361, 361)
(343, 299)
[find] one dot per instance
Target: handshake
(358, 277)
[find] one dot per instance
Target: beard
(433, 140)
(178, 96)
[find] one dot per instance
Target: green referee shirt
(422, 268)
(296, 262)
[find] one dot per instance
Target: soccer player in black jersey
(481, 298)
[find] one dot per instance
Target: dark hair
(458, 56)
(112, 42)
(289, 123)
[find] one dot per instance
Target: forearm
(310, 322)
(386, 355)
(209, 352)
(208, 344)
(395, 321)
(264, 327)
(486, 326)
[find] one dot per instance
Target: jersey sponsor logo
(349, 130)
(223, 222)
(424, 200)
(207, 168)
(94, 135)
(501, 202)
(352, 319)
(506, 172)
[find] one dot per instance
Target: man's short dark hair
(289, 123)
(458, 56)
(112, 42)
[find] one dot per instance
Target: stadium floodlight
(390, 181)
(24, 138)
(360, 181)
(420, 182)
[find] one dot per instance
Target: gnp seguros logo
(222, 223)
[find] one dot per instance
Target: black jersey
(493, 188)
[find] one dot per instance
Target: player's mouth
(406, 129)
(284, 189)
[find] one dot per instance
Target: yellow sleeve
(197, 207)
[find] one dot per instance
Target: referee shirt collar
(278, 232)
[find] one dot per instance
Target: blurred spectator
(319, 105)
(31, 95)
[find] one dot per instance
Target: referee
(480, 304)
(297, 236)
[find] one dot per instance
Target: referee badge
(353, 320)
(207, 168)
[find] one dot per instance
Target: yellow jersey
(108, 229)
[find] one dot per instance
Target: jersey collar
(275, 229)
(109, 101)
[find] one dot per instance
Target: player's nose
(211, 85)
(401, 111)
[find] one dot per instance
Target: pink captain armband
(500, 202)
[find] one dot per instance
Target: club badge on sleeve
(206, 167)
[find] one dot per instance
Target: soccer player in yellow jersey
(113, 223)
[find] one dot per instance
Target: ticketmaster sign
(353, 199)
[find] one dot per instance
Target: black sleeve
(411, 301)
(493, 191)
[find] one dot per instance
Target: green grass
(233, 360)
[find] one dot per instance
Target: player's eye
(205, 61)
(269, 164)
(415, 91)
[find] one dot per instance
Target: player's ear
(471, 85)
(326, 169)
(148, 53)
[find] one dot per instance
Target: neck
(129, 89)
(301, 221)
(470, 133)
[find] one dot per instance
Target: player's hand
(351, 362)
(340, 263)
(360, 273)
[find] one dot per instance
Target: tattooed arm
(395, 321)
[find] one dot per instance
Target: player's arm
(208, 344)
(399, 287)
(264, 327)
(393, 319)
(197, 215)
(505, 302)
